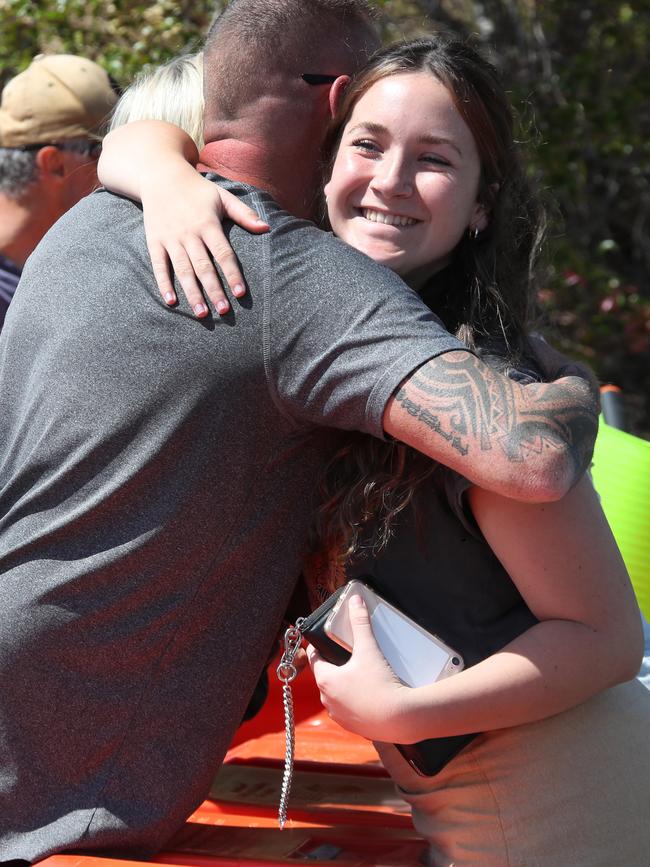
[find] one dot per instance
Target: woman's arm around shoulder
(154, 162)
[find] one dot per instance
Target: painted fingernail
(238, 290)
(170, 298)
(200, 309)
(222, 307)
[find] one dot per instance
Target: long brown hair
(483, 296)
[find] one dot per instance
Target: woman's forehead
(413, 103)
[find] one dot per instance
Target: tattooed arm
(529, 443)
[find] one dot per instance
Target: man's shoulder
(97, 221)
(266, 206)
(102, 205)
(300, 251)
(297, 246)
(289, 233)
(101, 234)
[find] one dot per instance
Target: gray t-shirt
(156, 480)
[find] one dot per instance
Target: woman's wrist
(413, 715)
(173, 176)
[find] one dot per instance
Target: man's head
(273, 70)
(52, 117)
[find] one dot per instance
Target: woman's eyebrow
(370, 126)
(438, 139)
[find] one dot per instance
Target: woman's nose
(392, 178)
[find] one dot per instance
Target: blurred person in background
(51, 123)
(172, 92)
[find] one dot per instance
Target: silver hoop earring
(473, 233)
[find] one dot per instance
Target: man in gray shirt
(157, 472)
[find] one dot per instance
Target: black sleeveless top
(439, 570)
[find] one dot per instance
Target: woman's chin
(382, 254)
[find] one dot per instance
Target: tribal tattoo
(473, 407)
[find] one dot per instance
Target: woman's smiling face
(405, 179)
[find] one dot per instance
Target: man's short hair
(17, 171)
(253, 35)
(255, 21)
(19, 166)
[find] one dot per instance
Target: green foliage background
(579, 78)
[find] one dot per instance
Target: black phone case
(427, 757)
(313, 628)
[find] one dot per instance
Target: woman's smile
(386, 218)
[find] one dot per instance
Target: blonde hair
(171, 92)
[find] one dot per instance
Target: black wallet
(427, 757)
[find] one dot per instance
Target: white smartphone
(416, 656)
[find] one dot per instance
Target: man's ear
(336, 93)
(50, 162)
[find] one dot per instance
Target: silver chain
(286, 672)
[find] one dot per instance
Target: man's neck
(22, 225)
(292, 183)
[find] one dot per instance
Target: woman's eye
(365, 145)
(435, 160)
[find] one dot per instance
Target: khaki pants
(570, 791)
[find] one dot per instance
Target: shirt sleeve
(341, 333)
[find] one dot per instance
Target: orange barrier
(325, 797)
(202, 846)
(271, 716)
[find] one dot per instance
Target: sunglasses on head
(316, 78)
